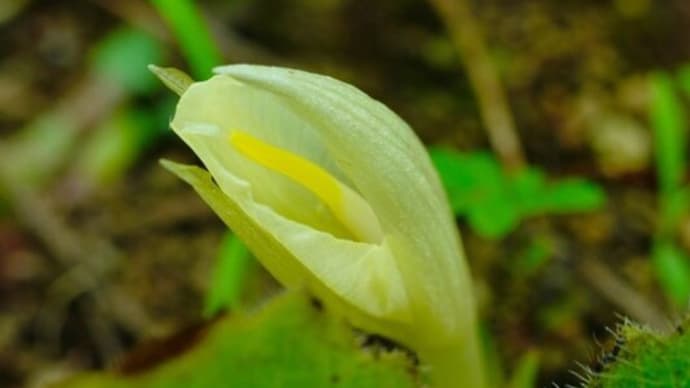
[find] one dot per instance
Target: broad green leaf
(672, 267)
(289, 343)
(232, 265)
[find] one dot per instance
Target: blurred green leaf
(668, 121)
(232, 265)
(123, 56)
(495, 202)
(493, 218)
(468, 178)
(526, 371)
(673, 270)
(526, 187)
(117, 143)
(193, 35)
(572, 195)
(527, 182)
(289, 343)
(110, 151)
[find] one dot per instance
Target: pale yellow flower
(332, 192)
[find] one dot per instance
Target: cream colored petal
(209, 111)
(362, 275)
(388, 165)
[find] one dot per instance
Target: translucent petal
(209, 111)
(362, 275)
(389, 167)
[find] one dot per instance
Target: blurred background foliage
(558, 127)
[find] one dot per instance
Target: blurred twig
(493, 103)
(619, 293)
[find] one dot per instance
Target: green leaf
(193, 35)
(495, 203)
(289, 343)
(526, 189)
(572, 195)
(643, 358)
(468, 178)
(123, 56)
(232, 265)
(493, 219)
(672, 267)
(668, 121)
(476, 188)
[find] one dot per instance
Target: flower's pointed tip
(169, 165)
(173, 167)
(166, 163)
(176, 80)
(186, 172)
(153, 68)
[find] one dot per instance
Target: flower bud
(331, 191)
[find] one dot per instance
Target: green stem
(192, 33)
(459, 366)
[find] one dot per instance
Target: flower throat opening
(347, 206)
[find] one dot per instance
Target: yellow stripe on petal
(345, 204)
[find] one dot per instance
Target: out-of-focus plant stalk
(493, 103)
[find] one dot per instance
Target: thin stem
(193, 34)
(493, 104)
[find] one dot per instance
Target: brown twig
(617, 291)
(493, 103)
